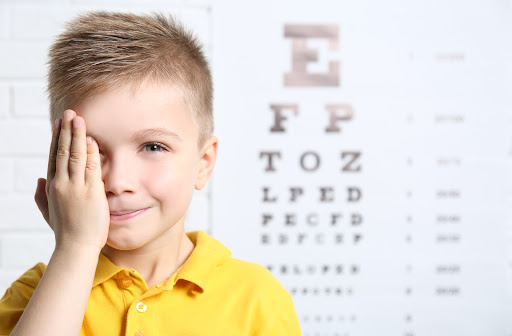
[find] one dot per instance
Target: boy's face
(154, 171)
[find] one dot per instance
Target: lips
(122, 212)
(126, 214)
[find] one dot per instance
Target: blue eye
(155, 147)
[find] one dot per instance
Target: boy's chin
(124, 243)
(121, 247)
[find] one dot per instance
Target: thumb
(41, 199)
(93, 165)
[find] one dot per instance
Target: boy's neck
(155, 263)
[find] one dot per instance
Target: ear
(207, 162)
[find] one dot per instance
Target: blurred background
(363, 158)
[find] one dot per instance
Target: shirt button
(125, 282)
(141, 307)
(138, 333)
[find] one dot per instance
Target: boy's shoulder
(258, 282)
(32, 276)
(264, 298)
(17, 296)
(252, 279)
(253, 273)
(211, 253)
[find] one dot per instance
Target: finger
(78, 151)
(62, 159)
(93, 165)
(50, 173)
(41, 199)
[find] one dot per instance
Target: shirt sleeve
(16, 298)
(286, 322)
(276, 314)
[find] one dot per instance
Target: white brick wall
(28, 170)
(29, 100)
(20, 213)
(27, 28)
(4, 22)
(19, 248)
(22, 60)
(7, 175)
(24, 136)
(39, 22)
(5, 101)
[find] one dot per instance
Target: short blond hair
(100, 51)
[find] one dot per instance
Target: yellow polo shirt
(210, 294)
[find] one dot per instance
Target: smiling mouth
(124, 215)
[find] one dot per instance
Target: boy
(131, 104)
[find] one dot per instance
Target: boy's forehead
(141, 134)
(151, 110)
(137, 100)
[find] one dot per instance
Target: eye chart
(362, 159)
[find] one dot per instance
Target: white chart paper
(362, 159)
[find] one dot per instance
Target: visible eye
(155, 147)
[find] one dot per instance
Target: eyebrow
(149, 132)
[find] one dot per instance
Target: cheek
(171, 183)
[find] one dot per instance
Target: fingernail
(77, 122)
(68, 115)
(89, 140)
(56, 124)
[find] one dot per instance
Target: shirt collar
(208, 253)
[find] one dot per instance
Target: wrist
(75, 247)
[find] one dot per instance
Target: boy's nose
(117, 178)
